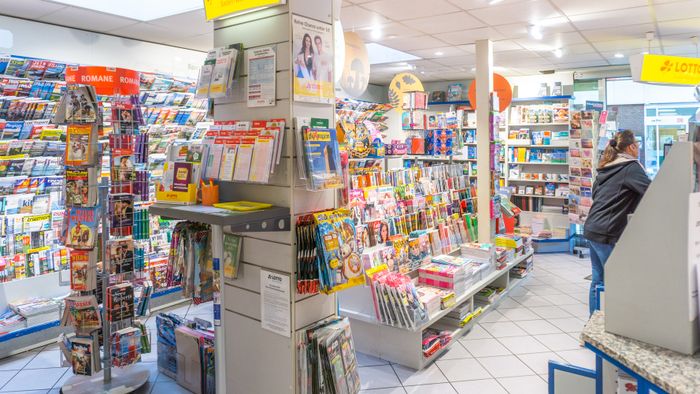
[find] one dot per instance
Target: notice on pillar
(275, 302)
(261, 77)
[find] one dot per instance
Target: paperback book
(82, 227)
(121, 208)
(82, 312)
(121, 256)
(120, 302)
(81, 142)
(83, 270)
(85, 355)
(81, 187)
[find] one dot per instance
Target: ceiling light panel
(137, 9)
(400, 10)
(379, 54)
(529, 11)
(578, 7)
(355, 18)
(445, 23)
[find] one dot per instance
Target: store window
(658, 114)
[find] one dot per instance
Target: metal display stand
(123, 380)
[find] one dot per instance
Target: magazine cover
(78, 185)
(83, 271)
(83, 313)
(121, 256)
(323, 167)
(82, 227)
(120, 302)
(232, 255)
(81, 356)
(121, 208)
(79, 144)
(80, 104)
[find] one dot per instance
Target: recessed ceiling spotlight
(376, 33)
(473, 69)
(422, 72)
(492, 2)
(402, 64)
(558, 53)
(535, 32)
(438, 53)
(619, 55)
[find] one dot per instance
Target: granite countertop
(671, 371)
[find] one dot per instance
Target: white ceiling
(590, 32)
(188, 30)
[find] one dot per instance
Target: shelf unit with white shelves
(404, 346)
(545, 121)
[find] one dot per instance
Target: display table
(656, 368)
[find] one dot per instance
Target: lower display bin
(553, 245)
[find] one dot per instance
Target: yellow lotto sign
(218, 8)
(663, 69)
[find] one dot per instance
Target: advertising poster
(312, 44)
(261, 77)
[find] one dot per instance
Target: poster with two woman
(312, 45)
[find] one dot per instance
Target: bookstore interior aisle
(507, 352)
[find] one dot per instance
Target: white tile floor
(508, 351)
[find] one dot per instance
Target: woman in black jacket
(618, 188)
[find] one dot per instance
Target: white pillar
(484, 87)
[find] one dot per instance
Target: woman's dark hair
(618, 144)
(303, 44)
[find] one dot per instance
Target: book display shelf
(449, 278)
(537, 162)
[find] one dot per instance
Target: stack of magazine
(327, 359)
(218, 72)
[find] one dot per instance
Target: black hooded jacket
(618, 188)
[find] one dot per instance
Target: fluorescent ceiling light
(558, 53)
(379, 54)
(536, 32)
(376, 33)
(438, 53)
(492, 2)
(137, 9)
(619, 55)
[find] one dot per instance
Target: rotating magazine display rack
(100, 219)
(249, 358)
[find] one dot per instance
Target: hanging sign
(107, 81)
(662, 69)
(502, 88)
(400, 84)
(218, 8)
(355, 76)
